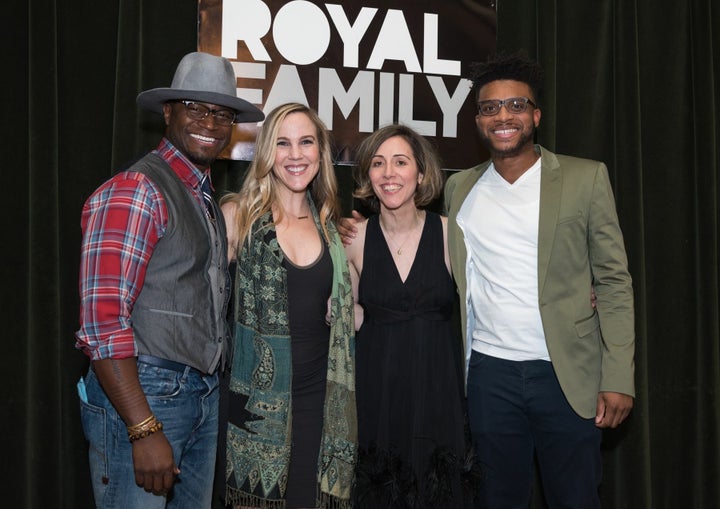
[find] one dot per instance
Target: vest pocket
(168, 312)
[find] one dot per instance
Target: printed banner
(360, 64)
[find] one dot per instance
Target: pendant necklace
(398, 248)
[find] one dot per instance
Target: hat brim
(154, 99)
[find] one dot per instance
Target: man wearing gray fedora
(154, 289)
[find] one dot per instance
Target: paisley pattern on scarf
(258, 442)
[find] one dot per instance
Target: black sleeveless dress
(308, 291)
(409, 381)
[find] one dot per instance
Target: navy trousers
(518, 411)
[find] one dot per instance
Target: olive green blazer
(580, 247)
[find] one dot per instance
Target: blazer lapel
(550, 190)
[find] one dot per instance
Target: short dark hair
(426, 157)
(515, 66)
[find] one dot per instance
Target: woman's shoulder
(229, 207)
(434, 216)
(229, 212)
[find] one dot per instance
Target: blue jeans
(517, 412)
(187, 404)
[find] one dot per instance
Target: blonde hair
(259, 189)
(426, 157)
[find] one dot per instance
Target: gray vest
(180, 314)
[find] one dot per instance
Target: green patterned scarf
(259, 428)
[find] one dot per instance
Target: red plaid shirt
(122, 222)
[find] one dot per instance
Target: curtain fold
(635, 83)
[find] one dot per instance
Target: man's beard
(525, 138)
(200, 161)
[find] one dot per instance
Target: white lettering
(450, 105)
(394, 43)
(387, 98)
(431, 63)
(301, 32)
(405, 107)
(351, 35)
(362, 91)
(248, 21)
(287, 87)
(249, 70)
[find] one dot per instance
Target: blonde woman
(291, 430)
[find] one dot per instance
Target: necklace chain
(303, 216)
(389, 236)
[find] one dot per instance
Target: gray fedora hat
(204, 78)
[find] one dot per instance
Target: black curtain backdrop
(634, 83)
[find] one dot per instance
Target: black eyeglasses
(513, 105)
(197, 111)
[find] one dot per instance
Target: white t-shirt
(500, 223)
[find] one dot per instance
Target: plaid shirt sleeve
(121, 222)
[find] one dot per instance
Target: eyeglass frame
(504, 102)
(210, 111)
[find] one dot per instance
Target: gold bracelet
(154, 427)
(139, 426)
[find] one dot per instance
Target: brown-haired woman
(409, 389)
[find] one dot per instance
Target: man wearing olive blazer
(531, 235)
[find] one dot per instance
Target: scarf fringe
(328, 501)
(239, 498)
(235, 498)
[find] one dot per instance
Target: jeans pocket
(159, 383)
(94, 423)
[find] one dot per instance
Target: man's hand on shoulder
(346, 227)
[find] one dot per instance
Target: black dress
(308, 291)
(409, 389)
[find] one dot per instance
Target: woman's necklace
(303, 216)
(390, 237)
